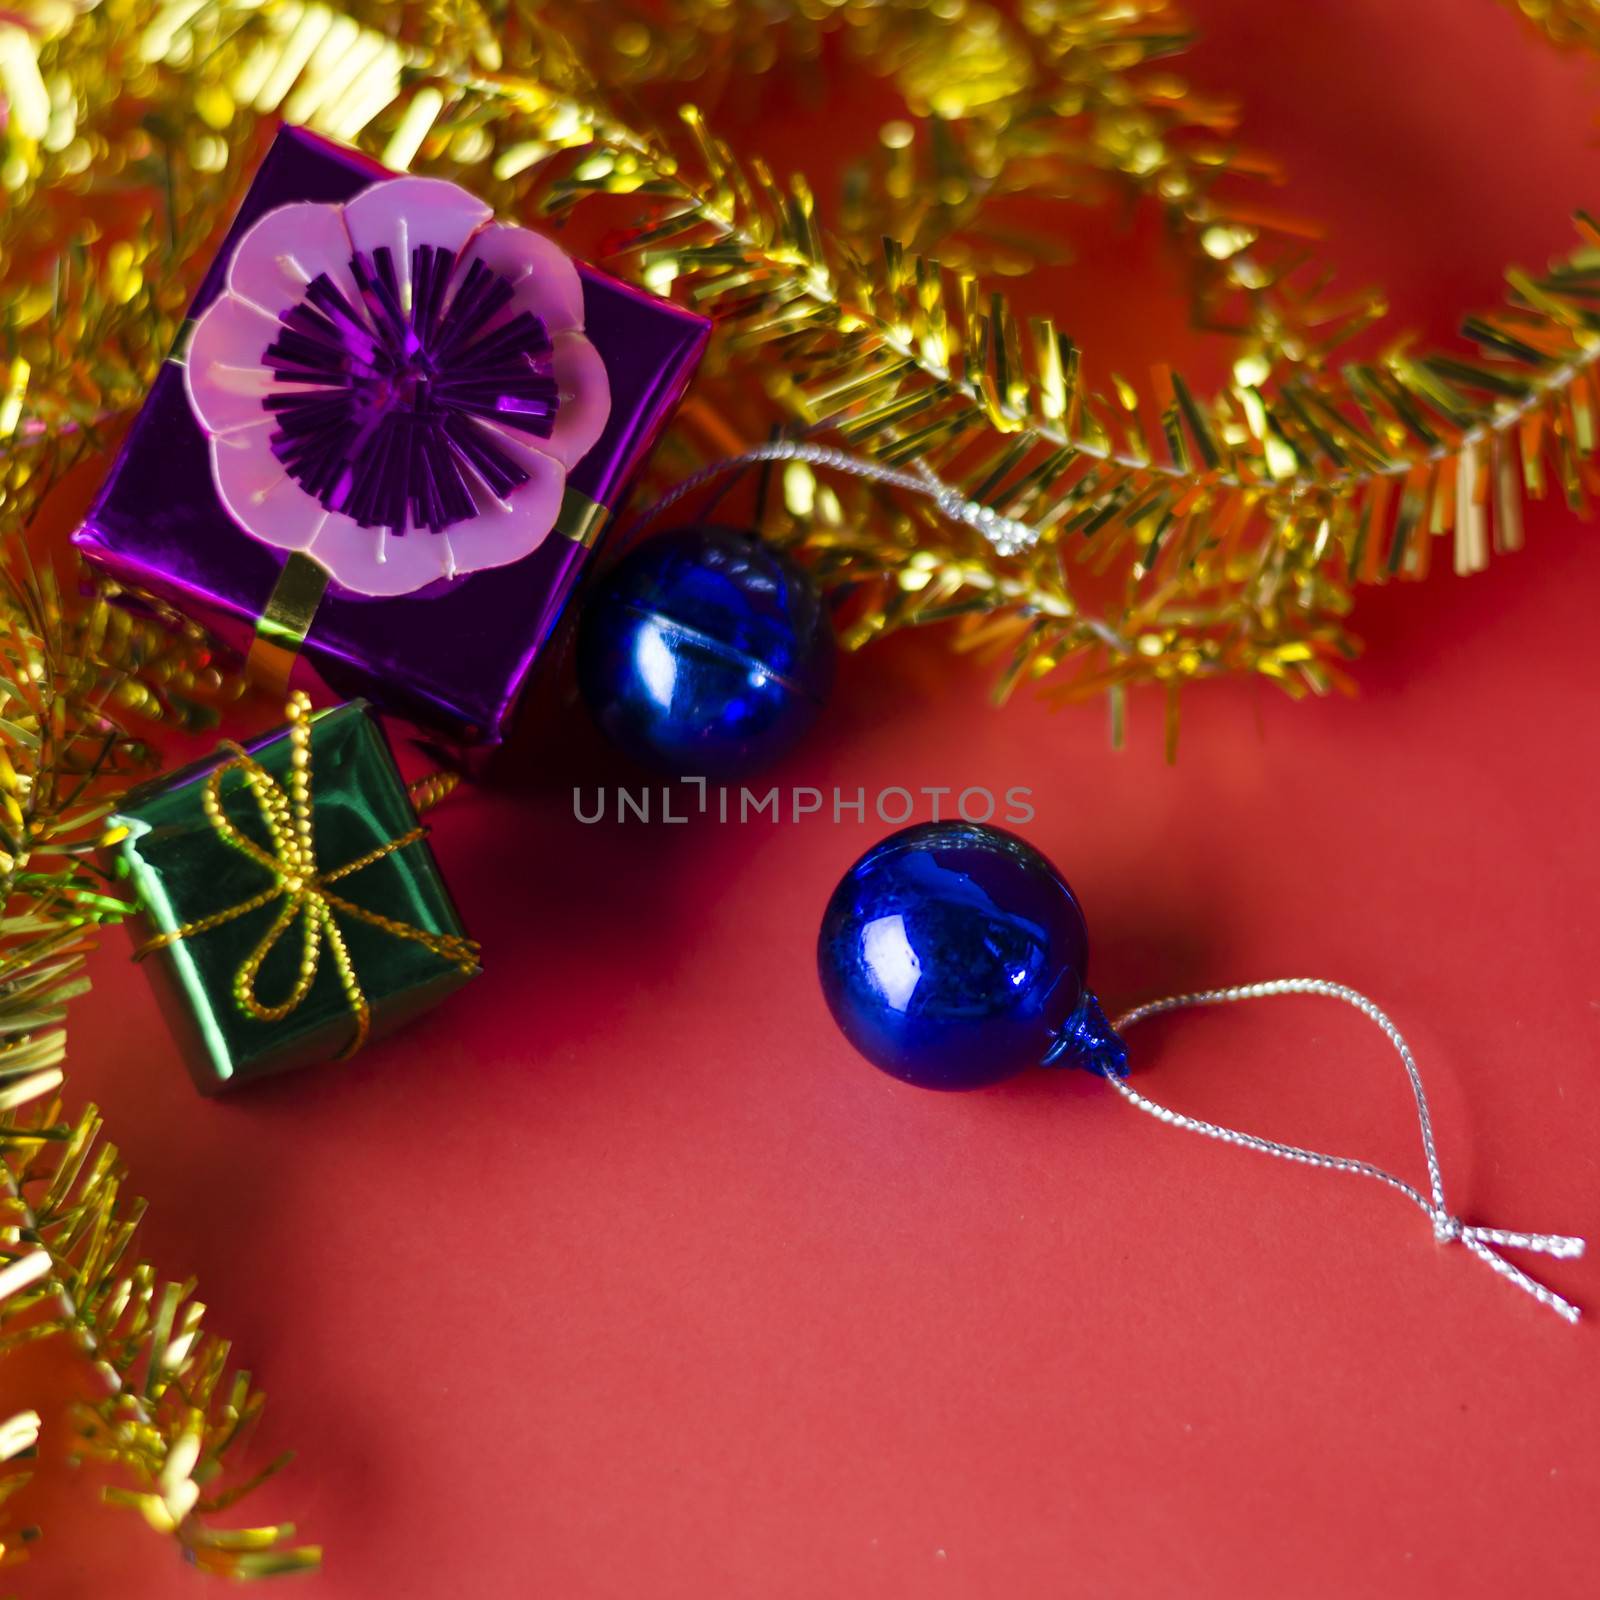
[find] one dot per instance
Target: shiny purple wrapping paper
(453, 657)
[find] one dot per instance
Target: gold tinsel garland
(161, 1406)
(1179, 535)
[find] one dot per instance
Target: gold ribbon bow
(292, 862)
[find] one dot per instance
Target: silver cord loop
(1484, 1243)
(1008, 535)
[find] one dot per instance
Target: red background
(620, 1276)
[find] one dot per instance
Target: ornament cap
(1086, 1039)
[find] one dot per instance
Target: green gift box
(291, 906)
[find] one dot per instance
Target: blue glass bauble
(953, 955)
(705, 653)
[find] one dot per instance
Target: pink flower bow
(397, 386)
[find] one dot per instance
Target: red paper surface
(621, 1276)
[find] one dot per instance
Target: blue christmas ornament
(705, 653)
(953, 955)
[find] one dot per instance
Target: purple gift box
(452, 655)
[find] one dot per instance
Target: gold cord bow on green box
(220, 885)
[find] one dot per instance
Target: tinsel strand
(161, 1404)
(1066, 101)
